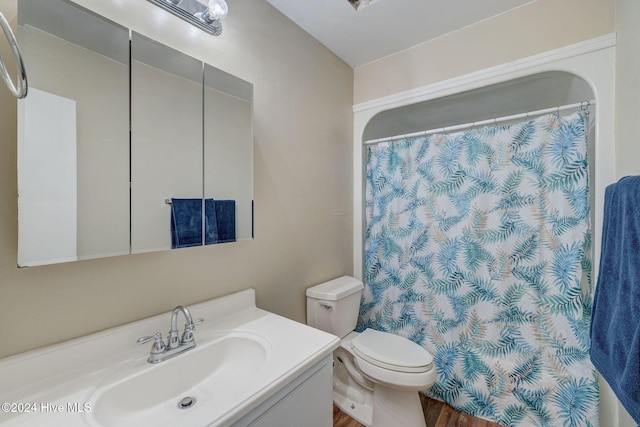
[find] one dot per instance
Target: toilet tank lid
(335, 289)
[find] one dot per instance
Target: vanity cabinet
(305, 401)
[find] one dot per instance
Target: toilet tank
(334, 306)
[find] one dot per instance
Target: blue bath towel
(615, 325)
(226, 217)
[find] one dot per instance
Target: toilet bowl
(377, 375)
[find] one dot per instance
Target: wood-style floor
(436, 414)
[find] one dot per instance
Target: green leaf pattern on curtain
(477, 247)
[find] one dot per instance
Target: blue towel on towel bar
(615, 323)
(226, 218)
(186, 223)
(210, 222)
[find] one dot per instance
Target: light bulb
(218, 9)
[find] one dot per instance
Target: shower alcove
(583, 72)
(530, 93)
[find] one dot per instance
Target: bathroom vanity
(249, 368)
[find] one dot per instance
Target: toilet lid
(391, 352)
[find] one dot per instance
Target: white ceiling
(386, 26)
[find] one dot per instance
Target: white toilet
(376, 375)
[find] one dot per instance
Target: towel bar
(20, 89)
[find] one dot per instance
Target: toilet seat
(392, 352)
(407, 381)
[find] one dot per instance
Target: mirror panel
(116, 125)
(166, 139)
(228, 153)
(73, 135)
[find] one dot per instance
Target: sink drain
(187, 403)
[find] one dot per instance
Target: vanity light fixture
(207, 18)
(359, 4)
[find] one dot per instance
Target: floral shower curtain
(477, 247)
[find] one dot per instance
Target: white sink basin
(199, 378)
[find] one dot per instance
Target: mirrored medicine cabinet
(123, 140)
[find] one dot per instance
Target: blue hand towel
(186, 223)
(226, 217)
(615, 324)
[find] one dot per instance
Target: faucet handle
(187, 335)
(190, 327)
(158, 345)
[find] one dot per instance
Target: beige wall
(534, 28)
(627, 87)
(303, 191)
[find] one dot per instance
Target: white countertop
(59, 385)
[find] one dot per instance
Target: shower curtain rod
(584, 105)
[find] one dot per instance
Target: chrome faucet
(174, 346)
